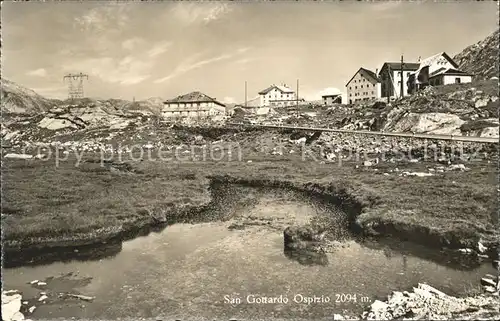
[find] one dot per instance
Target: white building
(392, 76)
(277, 96)
(193, 105)
(447, 76)
(364, 85)
(439, 69)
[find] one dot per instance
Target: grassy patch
(43, 203)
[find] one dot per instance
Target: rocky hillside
(481, 59)
(21, 100)
(463, 109)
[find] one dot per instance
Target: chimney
(376, 71)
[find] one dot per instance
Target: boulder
(11, 304)
(303, 244)
(431, 123)
(488, 282)
(18, 156)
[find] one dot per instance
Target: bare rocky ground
(426, 302)
(52, 291)
(423, 303)
(466, 109)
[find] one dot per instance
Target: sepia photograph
(250, 160)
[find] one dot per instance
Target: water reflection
(307, 257)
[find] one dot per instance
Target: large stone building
(364, 85)
(277, 96)
(193, 105)
(392, 76)
(439, 69)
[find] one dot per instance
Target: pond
(238, 269)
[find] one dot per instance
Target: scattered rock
(426, 302)
(31, 309)
(367, 163)
(490, 289)
(18, 156)
(481, 248)
(43, 298)
(457, 167)
(419, 174)
(488, 282)
(11, 305)
(81, 297)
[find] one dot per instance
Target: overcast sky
(165, 49)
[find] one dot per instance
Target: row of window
(358, 99)
(384, 76)
(356, 87)
(186, 105)
(269, 96)
(407, 74)
(365, 93)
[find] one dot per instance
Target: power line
(75, 85)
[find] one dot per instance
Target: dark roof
(367, 73)
(449, 71)
(283, 89)
(397, 65)
(331, 95)
(194, 97)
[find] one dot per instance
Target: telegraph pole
(246, 100)
(297, 98)
(402, 86)
(75, 90)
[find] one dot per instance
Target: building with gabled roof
(193, 105)
(364, 85)
(277, 95)
(438, 69)
(392, 76)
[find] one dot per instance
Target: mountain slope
(21, 100)
(481, 59)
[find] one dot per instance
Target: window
(373, 93)
(361, 86)
(457, 80)
(399, 83)
(368, 86)
(399, 74)
(350, 95)
(350, 87)
(408, 74)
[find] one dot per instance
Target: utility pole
(402, 86)
(75, 85)
(246, 100)
(297, 98)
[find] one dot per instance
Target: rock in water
(303, 244)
